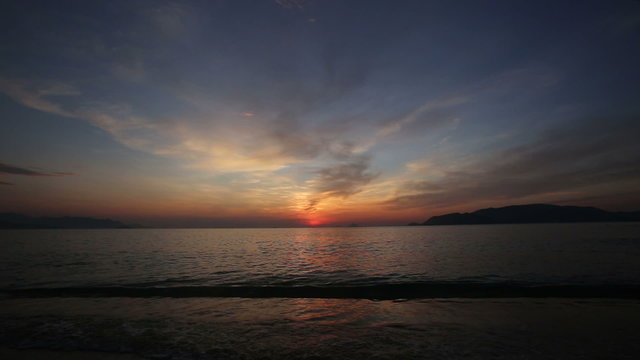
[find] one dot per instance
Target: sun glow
(314, 222)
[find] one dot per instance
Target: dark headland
(533, 213)
(19, 221)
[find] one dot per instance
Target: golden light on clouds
(297, 115)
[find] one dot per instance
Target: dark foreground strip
(380, 292)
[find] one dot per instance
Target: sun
(314, 222)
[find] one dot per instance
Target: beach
(275, 328)
(12, 354)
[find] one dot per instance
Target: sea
(527, 291)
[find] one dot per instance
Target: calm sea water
(326, 293)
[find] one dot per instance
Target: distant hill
(18, 221)
(533, 213)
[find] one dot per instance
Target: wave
(376, 292)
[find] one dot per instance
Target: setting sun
(314, 222)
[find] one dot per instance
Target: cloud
(243, 128)
(34, 95)
(116, 119)
(240, 129)
(588, 158)
(219, 139)
(341, 180)
(424, 113)
(199, 108)
(448, 110)
(170, 18)
(429, 115)
(16, 170)
(292, 4)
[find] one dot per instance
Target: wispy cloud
(220, 140)
(116, 119)
(292, 4)
(424, 113)
(6, 169)
(240, 129)
(427, 116)
(34, 95)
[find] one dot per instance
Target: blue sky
(258, 113)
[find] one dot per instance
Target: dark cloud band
(16, 170)
(569, 159)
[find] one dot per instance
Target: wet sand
(290, 328)
(12, 354)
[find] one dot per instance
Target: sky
(319, 112)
